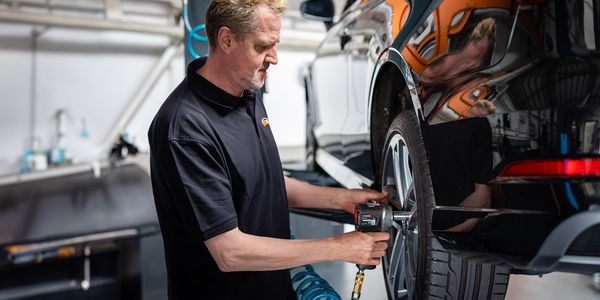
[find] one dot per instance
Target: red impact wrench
(373, 217)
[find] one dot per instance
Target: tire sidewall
(407, 125)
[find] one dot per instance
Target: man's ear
(225, 39)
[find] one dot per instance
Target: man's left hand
(349, 198)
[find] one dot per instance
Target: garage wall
(92, 75)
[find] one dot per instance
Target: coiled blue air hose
(190, 39)
(310, 286)
(192, 33)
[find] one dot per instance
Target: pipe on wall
(136, 102)
(86, 23)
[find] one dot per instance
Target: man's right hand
(363, 248)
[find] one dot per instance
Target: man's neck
(214, 73)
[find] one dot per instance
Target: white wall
(90, 74)
(285, 100)
(93, 75)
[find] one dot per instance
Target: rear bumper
(563, 248)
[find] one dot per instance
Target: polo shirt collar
(210, 92)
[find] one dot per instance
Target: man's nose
(271, 57)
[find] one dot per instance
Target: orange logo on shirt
(264, 122)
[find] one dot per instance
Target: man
(220, 193)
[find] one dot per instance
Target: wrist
(339, 198)
(334, 249)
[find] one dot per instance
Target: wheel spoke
(407, 178)
(397, 166)
(397, 253)
(389, 179)
(400, 286)
(410, 197)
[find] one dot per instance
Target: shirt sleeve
(206, 182)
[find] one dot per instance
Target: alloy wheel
(400, 261)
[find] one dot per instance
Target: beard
(255, 82)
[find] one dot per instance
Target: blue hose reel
(192, 33)
(310, 286)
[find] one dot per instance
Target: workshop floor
(340, 275)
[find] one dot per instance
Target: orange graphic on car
(432, 37)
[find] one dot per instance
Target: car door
(329, 91)
(369, 36)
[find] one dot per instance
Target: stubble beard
(255, 82)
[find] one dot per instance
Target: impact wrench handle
(358, 280)
(373, 217)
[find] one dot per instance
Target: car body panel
(494, 82)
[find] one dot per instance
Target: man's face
(256, 51)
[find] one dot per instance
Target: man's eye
(260, 48)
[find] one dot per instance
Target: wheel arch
(392, 91)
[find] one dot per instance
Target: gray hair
(237, 15)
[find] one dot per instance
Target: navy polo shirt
(215, 167)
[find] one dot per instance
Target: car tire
(416, 265)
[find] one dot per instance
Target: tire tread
(469, 275)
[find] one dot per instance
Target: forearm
(481, 197)
(302, 194)
(237, 251)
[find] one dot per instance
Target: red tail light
(584, 167)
